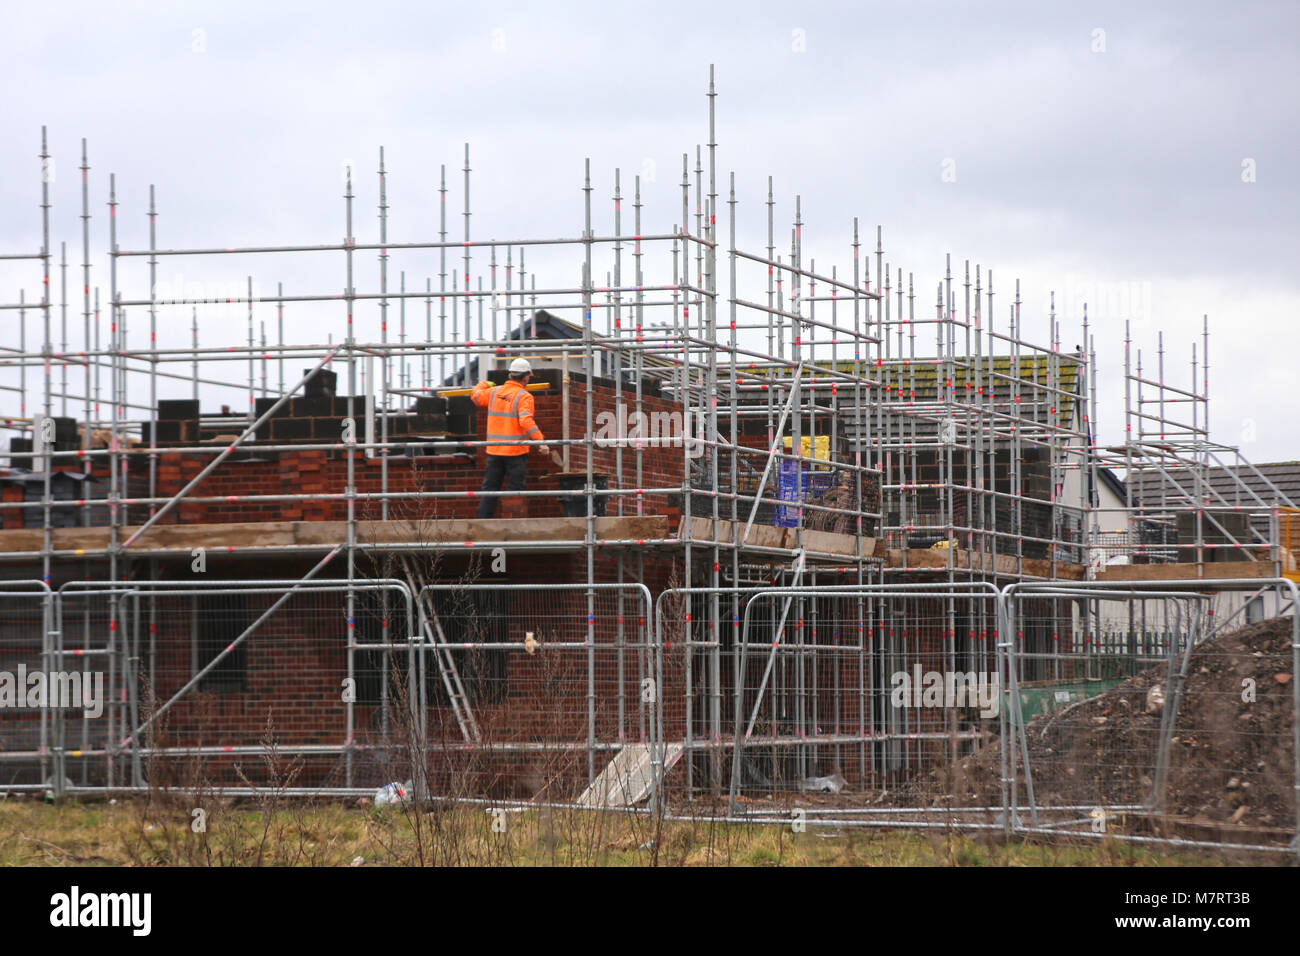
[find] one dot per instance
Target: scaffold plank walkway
(323, 535)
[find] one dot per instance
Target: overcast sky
(1142, 160)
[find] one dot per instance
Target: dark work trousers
(513, 468)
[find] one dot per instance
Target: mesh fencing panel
(1156, 714)
(530, 691)
(24, 651)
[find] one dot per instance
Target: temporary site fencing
(1091, 709)
(1189, 731)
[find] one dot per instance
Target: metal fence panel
(1155, 715)
(26, 625)
(531, 691)
(226, 685)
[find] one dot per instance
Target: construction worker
(509, 416)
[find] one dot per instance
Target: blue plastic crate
(811, 484)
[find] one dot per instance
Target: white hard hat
(520, 365)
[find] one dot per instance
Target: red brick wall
(11, 518)
(297, 660)
(325, 472)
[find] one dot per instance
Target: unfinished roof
(1046, 386)
(544, 326)
(1244, 486)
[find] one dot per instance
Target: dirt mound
(1231, 760)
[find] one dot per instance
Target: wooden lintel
(1187, 571)
(769, 536)
(318, 535)
(1005, 565)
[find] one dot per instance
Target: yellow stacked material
(918, 379)
(1288, 520)
(820, 448)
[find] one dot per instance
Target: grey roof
(543, 325)
(540, 325)
(1230, 483)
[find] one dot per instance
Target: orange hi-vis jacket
(509, 416)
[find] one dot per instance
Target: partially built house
(776, 484)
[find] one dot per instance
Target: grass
(152, 833)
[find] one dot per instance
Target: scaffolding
(890, 467)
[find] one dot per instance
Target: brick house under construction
(770, 497)
(236, 668)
